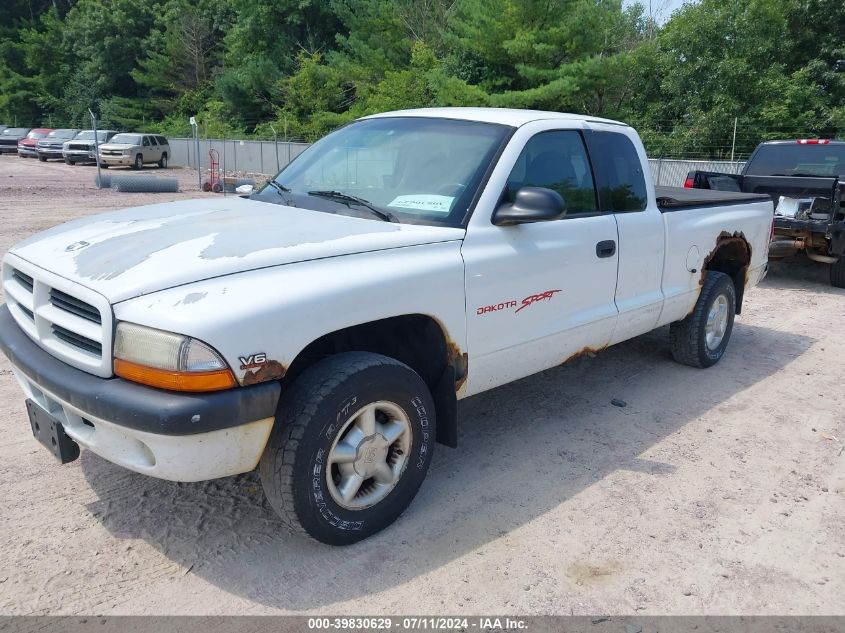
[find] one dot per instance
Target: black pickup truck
(806, 180)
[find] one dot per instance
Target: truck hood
(136, 251)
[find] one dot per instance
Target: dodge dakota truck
(806, 180)
(323, 328)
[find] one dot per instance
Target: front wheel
(43, 159)
(837, 273)
(139, 162)
(69, 161)
(351, 446)
(700, 339)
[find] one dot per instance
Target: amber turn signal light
(174, 380)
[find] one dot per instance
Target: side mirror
(531, 204)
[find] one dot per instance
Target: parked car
(51, 145)
(806, 180)
(135, 150)
(80, 149)
(10, 137)
(26, 146)
(324, 327)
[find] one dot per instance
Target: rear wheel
(351, 446)
(163, 161)
(837, 273)
(700, 339)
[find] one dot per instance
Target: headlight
(168, 361)
(127, 152)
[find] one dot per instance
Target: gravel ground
(712, 492)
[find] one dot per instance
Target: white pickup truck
(323, 328)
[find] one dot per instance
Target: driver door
(538, 294)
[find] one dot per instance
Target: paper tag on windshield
(424, 202)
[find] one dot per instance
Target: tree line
(304, 67)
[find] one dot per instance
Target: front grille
(65, 302)
(79, 146)
(71, 322)
(112, 152)
(77, 340)
(22, 279)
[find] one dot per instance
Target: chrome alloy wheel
(369, 455)
(717, 323)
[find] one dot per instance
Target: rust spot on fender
(460, 360)
(270, 370)
(723, 240)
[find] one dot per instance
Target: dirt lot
(713, 492)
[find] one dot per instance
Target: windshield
(15, 131)
(798, 160)
(126, 139)
(36, 135)
(412, 169)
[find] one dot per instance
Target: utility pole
(733, 145)
(96, 148)
(276, 143)
(193, 122)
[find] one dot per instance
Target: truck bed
(678, 198)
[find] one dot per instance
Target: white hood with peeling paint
(136, 251)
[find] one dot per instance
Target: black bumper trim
(131, 405)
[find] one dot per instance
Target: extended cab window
(556, 160)
(619, 172)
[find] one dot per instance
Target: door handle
(606, 248)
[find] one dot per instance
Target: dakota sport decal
(546, 295)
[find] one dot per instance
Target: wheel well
(418, 341)
(731, 256)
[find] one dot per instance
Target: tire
(102, 166)
(139, 162)
(319, 414)
(691, 342)
(43, 159)
(217, 187)
(69, 161)
(163, 161)
(837, 273)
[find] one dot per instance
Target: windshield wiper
(279, 188)
(349, 198)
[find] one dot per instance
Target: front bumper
(50, 152)
(176, 436)
(78, 154)
(23, 150)
(116, 160)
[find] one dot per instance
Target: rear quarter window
(619, 172)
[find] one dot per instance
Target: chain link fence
(249, 157)
(671, 172)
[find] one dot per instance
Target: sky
(662, 8)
